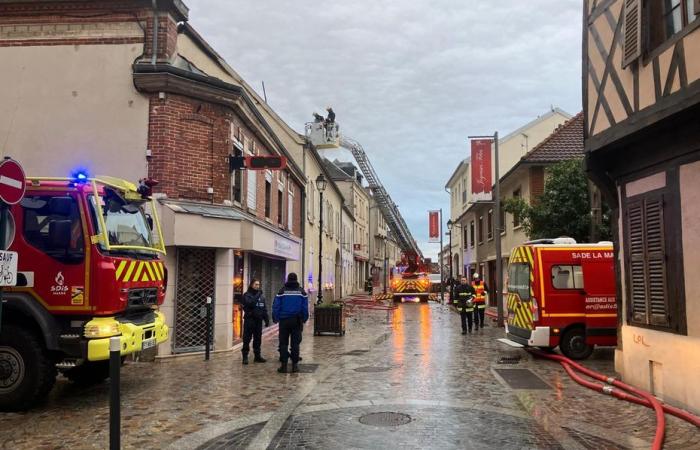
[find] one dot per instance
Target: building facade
(175, 115)
(641, 101)
(378, 247)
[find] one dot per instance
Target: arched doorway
(338, 276)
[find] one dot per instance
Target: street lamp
(321, 186)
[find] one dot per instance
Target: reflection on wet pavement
(412, 361)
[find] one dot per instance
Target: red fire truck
(89, 269)
(411, 280)
(560, 293)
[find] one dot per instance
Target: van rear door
(519, 291)
(600, 301)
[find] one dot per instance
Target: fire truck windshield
(124, 223)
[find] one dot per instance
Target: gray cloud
(409, 80)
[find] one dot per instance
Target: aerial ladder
(326, 135)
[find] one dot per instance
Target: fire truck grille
(143, 297)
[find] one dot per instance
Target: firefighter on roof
(479, 300)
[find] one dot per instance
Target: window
(280, 206)
(489, 224)
(43, 217)
(268, 193)
(471, 234)
(567, 277)
(516, 218)
(668, 17)
(465, 235)
(502, 219)
(519, 280)
(290, 208)
(236, 181)
(481, 229)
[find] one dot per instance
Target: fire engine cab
(561, 293)
(89, 269)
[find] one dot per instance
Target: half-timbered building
(641, 95)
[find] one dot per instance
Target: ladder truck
(413, 281)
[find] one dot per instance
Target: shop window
(567, 277)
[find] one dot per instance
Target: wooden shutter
(252, 189)
(656, 260)
(637, 284)
(647, 261)
(632, 39)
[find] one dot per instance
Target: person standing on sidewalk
(464, 299)
(479, 300)
(291, 310)
(255, 314)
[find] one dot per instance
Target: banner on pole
(481, 169)
(434, 226)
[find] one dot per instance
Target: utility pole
(442, 276)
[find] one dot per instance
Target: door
(600, 301)
(196, 281)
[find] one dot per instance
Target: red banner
(481, 169)
(434, 226)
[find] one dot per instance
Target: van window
(567, 277)
(519, 280)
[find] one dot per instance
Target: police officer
(255, 314)
(464, 299)
(291, 310)
(480, 290)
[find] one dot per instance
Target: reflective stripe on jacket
(480, 289)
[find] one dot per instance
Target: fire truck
(561, 293)
(411, 281)
(89, 269)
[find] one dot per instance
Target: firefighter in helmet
(480, 290)
(464, 299)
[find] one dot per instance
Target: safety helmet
(475, 276)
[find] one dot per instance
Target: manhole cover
(385, 419)
(522, 379)
(355, 352)
(509, 359)
(372, 369)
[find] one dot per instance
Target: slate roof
(565, 143)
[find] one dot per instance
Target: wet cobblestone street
(412, 361)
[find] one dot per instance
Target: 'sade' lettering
(592, 255)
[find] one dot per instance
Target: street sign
(11, 181)
(8, 268)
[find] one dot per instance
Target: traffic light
(256, 162)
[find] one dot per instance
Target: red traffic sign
(12, 181)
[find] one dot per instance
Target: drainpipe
(303, 217)
(154, 50)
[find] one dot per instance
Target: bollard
(115, 362)
(208, 338)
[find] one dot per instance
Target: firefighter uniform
(464, 296)
(479, 302)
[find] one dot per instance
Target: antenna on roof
(264, 93)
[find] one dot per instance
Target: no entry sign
(11, 181)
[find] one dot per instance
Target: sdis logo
(59, 288)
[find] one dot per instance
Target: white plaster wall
(64, 107)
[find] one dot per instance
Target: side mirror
(59, 234)
(149, 219)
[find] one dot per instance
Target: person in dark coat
(255, 314)
(331, 115)
(291, 310)
(464, 300)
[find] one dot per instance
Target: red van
(561, 293)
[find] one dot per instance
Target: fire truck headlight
(101, 328)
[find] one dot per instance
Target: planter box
(329, 320)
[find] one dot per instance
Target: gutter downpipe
(303, 215)
(154, 50)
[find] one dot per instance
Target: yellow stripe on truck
(120, 268)
(129, 271)
(149, 268)
(139, 269)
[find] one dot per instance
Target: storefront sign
(481, 169)
(434, 226)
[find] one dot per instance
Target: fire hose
(623, 391)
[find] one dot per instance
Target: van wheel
(88, 373)
(573, 344)
(27, 373)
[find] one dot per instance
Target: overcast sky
(409, 80)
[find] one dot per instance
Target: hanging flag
(433, 226)
(481, 169)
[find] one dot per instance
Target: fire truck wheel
(88, 373)
(573, 344)
(27, 373)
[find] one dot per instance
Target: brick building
(83, 88)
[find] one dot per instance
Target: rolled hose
(640, 397)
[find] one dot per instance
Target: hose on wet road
(622, 391)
